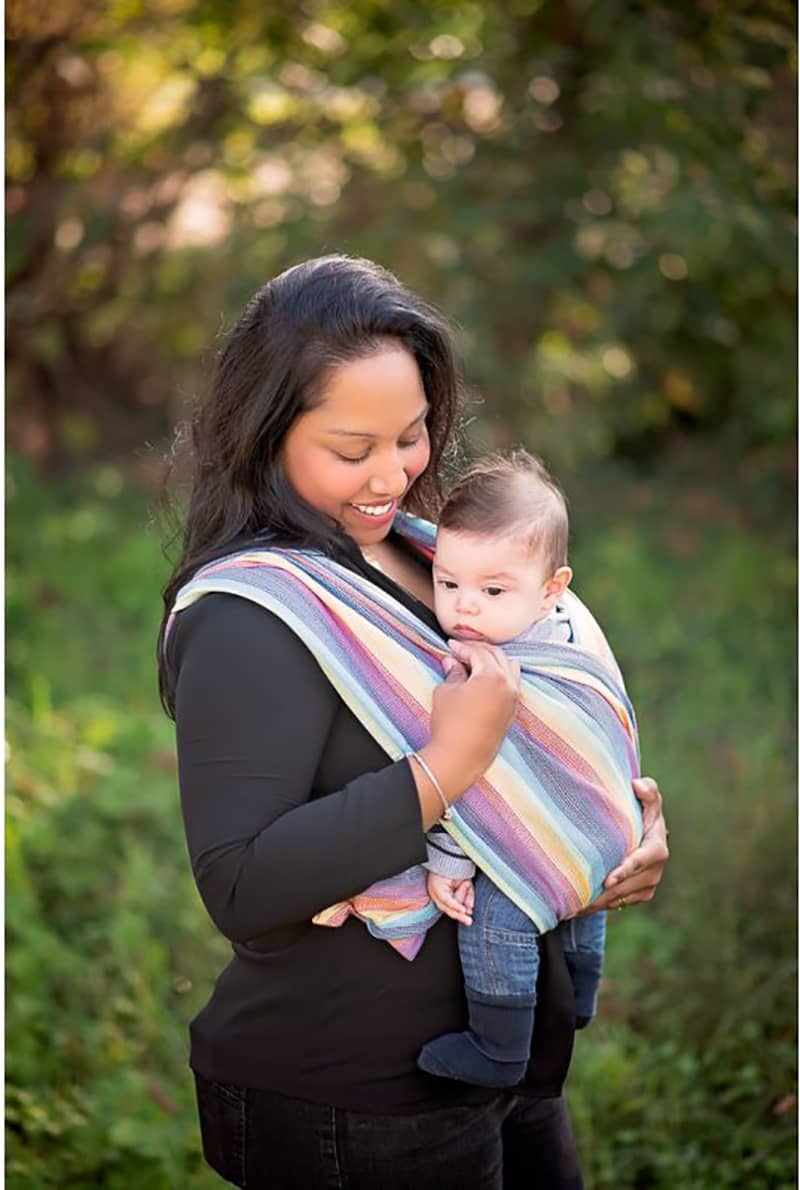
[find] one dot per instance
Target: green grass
(682, 1083)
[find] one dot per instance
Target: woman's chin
(367, 530)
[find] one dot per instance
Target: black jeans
(265, 1141)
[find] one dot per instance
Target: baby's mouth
(464, 632)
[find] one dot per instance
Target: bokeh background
(602, 195)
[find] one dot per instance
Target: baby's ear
(564, 576)
(556, 586)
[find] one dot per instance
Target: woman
(334, 402)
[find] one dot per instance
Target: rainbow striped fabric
(554, 812)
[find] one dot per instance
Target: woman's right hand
(472, 711)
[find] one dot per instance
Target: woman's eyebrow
(364, 434)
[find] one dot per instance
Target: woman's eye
(495, 591)
(362, 458)
(348, 459)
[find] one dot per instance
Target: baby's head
(501, 549)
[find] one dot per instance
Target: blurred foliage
(105, 935)
(600, 192)
(687, 1079)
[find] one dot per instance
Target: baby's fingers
(451, 907)
(464, 892)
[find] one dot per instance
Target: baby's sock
(494, 1050)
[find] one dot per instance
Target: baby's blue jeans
(500, 951)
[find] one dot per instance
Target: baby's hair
(511, 494)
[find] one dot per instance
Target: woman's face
(358, 452)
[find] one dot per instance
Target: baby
(500, 572)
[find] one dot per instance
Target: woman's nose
(391, 482)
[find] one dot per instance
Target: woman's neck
(408, 572)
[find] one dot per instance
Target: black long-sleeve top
(289, 806)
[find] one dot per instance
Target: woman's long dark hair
(298, 327)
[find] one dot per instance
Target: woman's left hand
(638, 876)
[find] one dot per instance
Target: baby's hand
(455, 898)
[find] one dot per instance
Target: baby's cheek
(519, 618)
(442, 611)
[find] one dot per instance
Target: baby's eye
(495, 591)
(447, 583)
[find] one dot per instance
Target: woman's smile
(377, 512)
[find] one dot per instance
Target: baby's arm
(445, 857)
(450, 874)
(583, 940)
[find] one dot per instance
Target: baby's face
(487, 588)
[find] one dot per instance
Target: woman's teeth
(374, 509)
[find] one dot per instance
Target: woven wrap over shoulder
(555, 811)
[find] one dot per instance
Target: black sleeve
(253, 712)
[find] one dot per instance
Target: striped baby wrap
(555, 811)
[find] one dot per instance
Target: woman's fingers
(454, 671)
(632, 891)
(636, 879)
(484, 659)
(470, 718)
(646, 789)
(648, 859)
(648, 793)
(653, 852)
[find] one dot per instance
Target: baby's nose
(466, 603)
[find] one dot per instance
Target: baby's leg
(583, 942)
(500, 960)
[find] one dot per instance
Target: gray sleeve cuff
(445, 858)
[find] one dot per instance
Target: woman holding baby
(335, 402)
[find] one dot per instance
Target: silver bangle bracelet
(428, 771)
